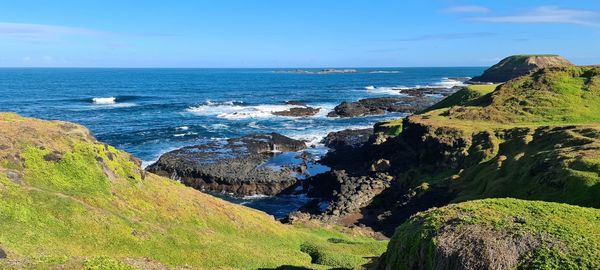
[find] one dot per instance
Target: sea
(149, 111)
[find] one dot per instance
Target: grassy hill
(536, 137)
(67, 200)
(498, 234)
(549, 96)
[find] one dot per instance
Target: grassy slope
(66, 199)
(569, 234)
(461, 97)
(550, 96)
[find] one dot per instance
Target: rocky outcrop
(232, 166)
(414, 100)
(519, 65)
(298, 111)
(348, 138)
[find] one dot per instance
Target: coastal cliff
(535, 137)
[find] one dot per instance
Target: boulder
(299, 111)
(348, 138)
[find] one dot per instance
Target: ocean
(148, 112)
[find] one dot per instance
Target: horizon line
(159, 67)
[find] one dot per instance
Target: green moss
(391, 128)
(328, 257)
(105, 263)
(81, 164)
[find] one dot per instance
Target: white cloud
(41, 31)
(549, 14)
(467, 9)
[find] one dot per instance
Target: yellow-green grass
(568, 235)
(461, 97)
(464, 96)
(68, 200)
(560, 95)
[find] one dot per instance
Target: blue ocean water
(150, 111)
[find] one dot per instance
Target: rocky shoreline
(233, 166)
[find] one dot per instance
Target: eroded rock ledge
(232, 166)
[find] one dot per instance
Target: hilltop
(69, 201)
(518, 65)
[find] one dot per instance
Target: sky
(293, 33)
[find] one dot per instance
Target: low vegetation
(69, 201)
(498, 234)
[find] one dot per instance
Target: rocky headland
(518, 65)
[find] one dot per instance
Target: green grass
(93, 208)
(464, 96)
(568, 234)
(550, 96)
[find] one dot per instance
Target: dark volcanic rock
(232, 166)
(348, 138)
(377, 106)
(295, 103)
(518, 65)
(299, 111)
(350, 193)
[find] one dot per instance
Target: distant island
(322, 71)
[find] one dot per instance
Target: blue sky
(290, 33)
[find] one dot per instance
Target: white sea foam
(254, 197)
(397, 90)
(449, 83)
(254, 124)
(185, 134)
(104, 100)
(182, 128)
(384, 72)
(215, 127)
(314, 138)
(235, 111)
(385, 90)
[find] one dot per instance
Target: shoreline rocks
(298, 111)
(416, 99)
(347, 138)
(232, 166)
